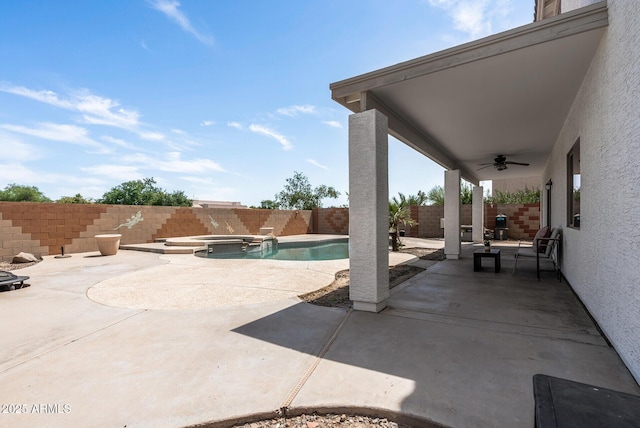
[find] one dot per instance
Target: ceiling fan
(500, 163)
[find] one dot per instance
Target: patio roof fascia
(359, 93)
(347, 92)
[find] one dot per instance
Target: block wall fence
(523, 220)
(43, 229)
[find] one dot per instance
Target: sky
(222, 99)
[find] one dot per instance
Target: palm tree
(436, 195)
(399, 213)
(420, 199)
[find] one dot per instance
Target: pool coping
(191, 244)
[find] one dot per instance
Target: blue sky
(221, 99)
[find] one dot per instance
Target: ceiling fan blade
(486, 166)
(516, 163)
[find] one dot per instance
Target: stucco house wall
(569, 5)
(601, 259)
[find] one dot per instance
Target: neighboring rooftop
(217, 204)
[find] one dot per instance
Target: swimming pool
(334, 249)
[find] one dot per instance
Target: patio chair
(543, 248)
(8, 279)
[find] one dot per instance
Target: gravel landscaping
(336, 294)
(324, 421)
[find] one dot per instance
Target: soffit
(506, 94)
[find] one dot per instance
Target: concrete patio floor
(454, 346)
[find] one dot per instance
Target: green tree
(144, 192)
(526, 196)
(420, 199)
(298, 194)
(175, 199)
(19, 193)
(77, 199)
(466, 194)
(268, 204)
(436, 194)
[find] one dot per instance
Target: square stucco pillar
(477, 215)
(452, 214)
(368, 211)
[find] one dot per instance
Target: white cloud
(316, 163)
(95, 110)
(104, 111)
(47, 97)
(262, 130)
(172, 162)
(13, 172)
(151, 136)
(17, 173)
(333, 123)
(207, 123)
(476, 18)
(118, 142)
(293, 111)
(234, 125)
(198, 180)
(115, 172)
(98, 110)
(171, 9)
(19, 151)
(208, 190)
(56, 132)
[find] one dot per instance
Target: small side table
(479, 254)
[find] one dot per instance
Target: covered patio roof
(505, 94)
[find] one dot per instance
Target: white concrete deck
(454, 346)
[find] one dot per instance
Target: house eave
(504, 94)
(564, 25)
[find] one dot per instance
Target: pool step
(160, 248)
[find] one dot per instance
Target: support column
(478, 214)
(368, 211)
(452, 214)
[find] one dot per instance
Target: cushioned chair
(545, 247)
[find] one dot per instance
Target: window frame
(573, 200)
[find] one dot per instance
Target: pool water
(307, 251)
(323, 251)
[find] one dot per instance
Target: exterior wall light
(548, 185)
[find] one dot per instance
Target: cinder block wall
(523, 220)
(333, 221)
(44, 228)
(429, 221)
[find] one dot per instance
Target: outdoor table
(479, 254)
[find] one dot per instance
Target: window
(573, 186)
